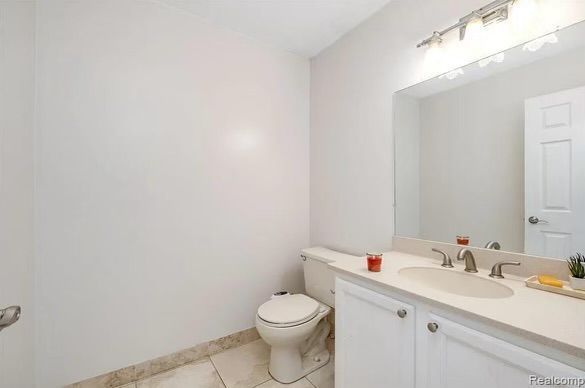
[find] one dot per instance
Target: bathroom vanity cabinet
(385, 340)
(374, 340)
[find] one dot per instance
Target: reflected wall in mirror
(497, 151)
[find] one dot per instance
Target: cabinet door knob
(332, 291)
(433, 327)
(401, 313)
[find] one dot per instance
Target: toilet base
(290, 372)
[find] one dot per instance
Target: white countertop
(554, 320)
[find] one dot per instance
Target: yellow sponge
(550, 281)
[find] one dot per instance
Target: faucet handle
(493, 245)
(447, 263)
(497, 268)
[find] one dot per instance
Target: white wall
(16, 189)
(472, 152)
(407, 165)
(352, 84)
(172, 182)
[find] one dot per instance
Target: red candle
(463, 240)
(374, 262)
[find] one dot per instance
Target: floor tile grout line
(259, 384)
(218, 373)
(272, 379)
(310, 382)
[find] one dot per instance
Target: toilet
(294, 325)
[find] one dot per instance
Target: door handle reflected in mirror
(8, 316)
(536, 220)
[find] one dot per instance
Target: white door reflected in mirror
(554, 144)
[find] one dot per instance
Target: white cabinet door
(459, 357)
(374, 344)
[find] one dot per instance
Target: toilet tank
(319, 279)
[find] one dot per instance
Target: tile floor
(242, 367)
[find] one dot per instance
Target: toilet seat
(288, 310)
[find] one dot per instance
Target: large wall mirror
(496, 150)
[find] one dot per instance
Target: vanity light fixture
(494, 12)
(498, 58)
(536, 44)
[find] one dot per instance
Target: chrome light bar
(495, 11)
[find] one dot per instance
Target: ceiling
(304, 27)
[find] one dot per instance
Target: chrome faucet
(493, 245)
(497, 268)
(447, 263)
(467, 255)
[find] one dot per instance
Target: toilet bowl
(295, 328)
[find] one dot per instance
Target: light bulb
(523, 15)
(434, 55)
(495, 36)
(474, 30)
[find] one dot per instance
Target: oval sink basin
(458, 283)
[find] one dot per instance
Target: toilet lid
(288, 309)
